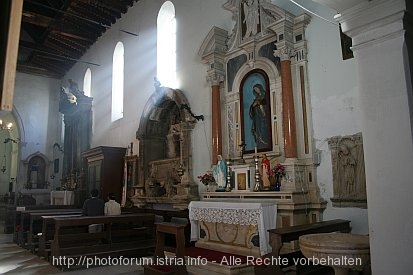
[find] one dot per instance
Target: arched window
(87, 82)
(117, 82)
(166, 45)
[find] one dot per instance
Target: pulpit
(233, 227)
(62, 197)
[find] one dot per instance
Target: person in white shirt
(111, 206)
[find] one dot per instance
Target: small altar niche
(165, 164)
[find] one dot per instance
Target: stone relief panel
(349, 179)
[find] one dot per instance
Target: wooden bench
(122, 235)
(22, 223)
(168, 216)
(36, 226)
(12, 220)
(178, 231)
(283, 235)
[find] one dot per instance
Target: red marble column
(216, 123)
(288, 117)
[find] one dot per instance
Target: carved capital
(215, 78)
(285, 53)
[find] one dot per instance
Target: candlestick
(180, 148)
(228, 179)
(257, 186)
(255, 150)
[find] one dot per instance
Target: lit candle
(255, 148)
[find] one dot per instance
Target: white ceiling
(340, 5)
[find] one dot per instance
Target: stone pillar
(215, 80)
(381, 33)
(288, 116)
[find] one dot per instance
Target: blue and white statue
(220, 172)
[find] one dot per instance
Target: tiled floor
(17, 260)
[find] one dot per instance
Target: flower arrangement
(207, 178)
(278, 171)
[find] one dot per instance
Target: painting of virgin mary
(256, 112)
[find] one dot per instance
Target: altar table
(62, 197)
(263, 215)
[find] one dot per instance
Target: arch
(274, 79)
(162, 116)
(36, 167)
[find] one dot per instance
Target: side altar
(259, 77)
(164, 169)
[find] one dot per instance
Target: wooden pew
(23, 225)
(168, 216)
(279, 236)
(47, 234)
(36, 224)
(163, 229)
(14, 216)
(122, 235)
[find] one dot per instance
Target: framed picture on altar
(255, 111)
(242, 178)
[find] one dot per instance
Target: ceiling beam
(35, 70)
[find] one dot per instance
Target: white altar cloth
(243, 213)
(62, 197)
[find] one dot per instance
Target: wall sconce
(4, 126)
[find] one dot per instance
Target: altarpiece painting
(256, 111)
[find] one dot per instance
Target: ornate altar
(258, 75)
(165, 157)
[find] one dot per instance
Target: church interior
(251, 129)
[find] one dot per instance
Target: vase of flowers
(276, 173)
(208, 180)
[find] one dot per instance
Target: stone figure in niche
(251, 17)
(347, 168)
(258, 116)
(349, 179)
(174, 141)
(220, 172)
(265, 172)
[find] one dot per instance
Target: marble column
(215, 80)
(288, 115)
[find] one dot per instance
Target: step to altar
(202, 261)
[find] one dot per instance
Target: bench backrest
(118, 232)
(292, 233)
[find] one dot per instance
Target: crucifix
(242, 149)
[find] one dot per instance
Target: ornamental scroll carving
(349, 179)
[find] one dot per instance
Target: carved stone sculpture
(349, 180)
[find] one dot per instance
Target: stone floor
(17, 260)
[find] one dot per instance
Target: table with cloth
(233, 227)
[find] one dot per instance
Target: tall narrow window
(166, 45)
(117, 82)
(87, 82)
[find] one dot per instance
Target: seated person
(94, 206)
(111, 206)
